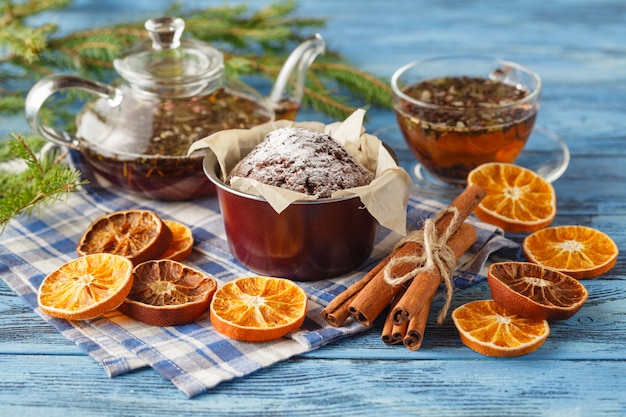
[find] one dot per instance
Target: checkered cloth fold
(194, 356)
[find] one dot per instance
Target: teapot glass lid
(169, 61)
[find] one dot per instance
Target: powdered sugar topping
(303, 160)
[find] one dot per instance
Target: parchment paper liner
(386, 197)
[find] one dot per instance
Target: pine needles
(42, 181)
(255, 44)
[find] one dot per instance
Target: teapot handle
(46, 87)
(297, 64)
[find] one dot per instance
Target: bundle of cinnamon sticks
(407, 279)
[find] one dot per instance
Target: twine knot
(435, 254)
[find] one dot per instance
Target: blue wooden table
(578, 47)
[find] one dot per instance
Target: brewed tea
(455, 124)
(152, 139)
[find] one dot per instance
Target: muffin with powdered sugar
(302, 160)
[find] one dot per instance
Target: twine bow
(435, 254)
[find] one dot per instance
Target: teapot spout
(289, 87)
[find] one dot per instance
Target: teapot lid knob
(165, 32)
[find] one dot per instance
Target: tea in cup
(456, 113)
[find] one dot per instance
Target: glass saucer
(545, 153)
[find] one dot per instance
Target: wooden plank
(324, 387)
(23, 331)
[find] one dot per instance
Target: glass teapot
(172, 91)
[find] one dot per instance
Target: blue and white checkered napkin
(194, 357)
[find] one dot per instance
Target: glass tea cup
(456, 113)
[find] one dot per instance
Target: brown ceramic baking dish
(309, 240)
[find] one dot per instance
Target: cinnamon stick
(338, 315)
(414, 306)
(407, 317)
(372, 299)
(423, 287)
(391, 333)
(386, 334)
(464, 204)
(415, 327)
(398, 332)
(336, 312)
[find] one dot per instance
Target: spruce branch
(19, 10)
(7, 152)
(11, 103)
(25, 42)
(332, 106)
(372, 89)
(255, 43)
(43, 182)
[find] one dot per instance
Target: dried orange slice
(182, 241)
(489, 329)
(578, 251)
(517, 200)
(256, 309)
(139, 235)
(86, 287)
(533, 291)
(168, 293)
